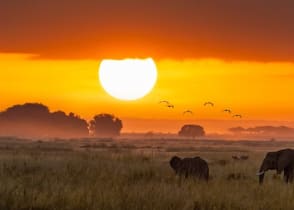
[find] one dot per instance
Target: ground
(135, 174)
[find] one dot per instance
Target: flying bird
(227, 110)
(238, 115)
(187, 112)
(208, 103)
(166, 102)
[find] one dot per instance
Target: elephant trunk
(261, 173)
(261, 177)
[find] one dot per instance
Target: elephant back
(195, 167)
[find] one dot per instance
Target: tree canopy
(192, 131)
(35, 120)
(105, 125)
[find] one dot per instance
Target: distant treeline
(264, 131)
(35, 120)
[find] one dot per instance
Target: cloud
(260, 30)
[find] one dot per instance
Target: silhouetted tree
(264, 131)
(192, 131)
(35, 120)
(237, 129)
(271, 129)
(69, 125)
(105, 125)
(149, 134)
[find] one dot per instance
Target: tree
(105, 125)
(192, 131)
(68, 125)
(35, 120)
(237, 129)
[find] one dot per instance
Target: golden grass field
(135, 175)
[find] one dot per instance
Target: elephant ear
(283, 160)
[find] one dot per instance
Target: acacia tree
(192, 131)
(105, 125)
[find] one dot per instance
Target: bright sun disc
(128, 79)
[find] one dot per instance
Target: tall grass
(35, 177)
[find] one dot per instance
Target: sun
(128, 79)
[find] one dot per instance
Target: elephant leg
(186, 175)
(203, 177)
(290, 174)
(286, 178)
(286, 175)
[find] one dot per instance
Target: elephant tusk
(260, 173)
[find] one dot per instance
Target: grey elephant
(190, 167)
(282, 160)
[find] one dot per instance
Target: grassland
(135, 175)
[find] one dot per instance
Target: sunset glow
(260, 91)
(128, 79)
(82, 61)
(147, 104)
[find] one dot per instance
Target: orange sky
(238, 54)
(248, 30)
(258, 91)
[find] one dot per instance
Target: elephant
(190, 167)
(282, 160)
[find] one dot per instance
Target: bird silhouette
(227, 110)
(208, 103)
(166, 102)
(238, 115)
(188, 112)
(170, 106)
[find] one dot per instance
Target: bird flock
(169, 105)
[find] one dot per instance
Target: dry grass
(134, 175)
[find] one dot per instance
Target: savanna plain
(106, 174)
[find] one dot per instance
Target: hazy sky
(259, 30)
(236, 53)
